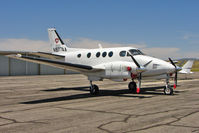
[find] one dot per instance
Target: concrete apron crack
(13, 121)
(125, 120)
(169, 123)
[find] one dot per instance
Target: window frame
(121, 53)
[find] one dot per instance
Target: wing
(40, 54)
(49, 59)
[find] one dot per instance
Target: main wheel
(94, 90)
(132, 87)
(168, 90)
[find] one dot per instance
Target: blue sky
(155, 23)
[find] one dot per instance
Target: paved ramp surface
(60, 104)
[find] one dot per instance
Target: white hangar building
(14, 67)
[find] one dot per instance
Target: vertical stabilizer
(56, 42)
(186, 68)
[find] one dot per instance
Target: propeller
(176, 71)
(140, 69)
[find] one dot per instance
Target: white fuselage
(114, 64)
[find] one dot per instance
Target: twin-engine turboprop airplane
(117, 64)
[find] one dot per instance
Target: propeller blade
(139, 83)
(176, 78)
(176, 72)
(172, 62)
(140, 76)
(145, 65)
(137, 64)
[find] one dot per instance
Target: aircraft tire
(132, 87)
(94, 90)
(168, 90)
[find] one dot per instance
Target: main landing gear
(133, 86)
(94, 90)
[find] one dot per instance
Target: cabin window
(89, 55)
(110, 54)
(97, 54)
(104, 54)
(123, 53)
(79, 55)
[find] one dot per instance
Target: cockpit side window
(135, 52)
(123, 53)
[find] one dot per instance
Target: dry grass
(195, 67)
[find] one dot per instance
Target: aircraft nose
(169, 67)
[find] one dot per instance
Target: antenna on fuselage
(100, 46)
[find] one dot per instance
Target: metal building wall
(32, 68)
(17, 67)
(4, 67)
(45, 70)
(13, 67)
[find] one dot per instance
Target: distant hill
(185, 59)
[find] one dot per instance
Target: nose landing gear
(132, 87)
(168, 90)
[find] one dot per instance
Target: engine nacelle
(119, 70)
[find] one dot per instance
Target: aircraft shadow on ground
(83, 88)
(119, 93)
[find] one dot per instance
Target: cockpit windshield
(135, 52)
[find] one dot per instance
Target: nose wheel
(94, 89)
(168, 90)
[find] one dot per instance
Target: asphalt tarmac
(62, 104)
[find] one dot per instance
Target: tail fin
(188, 65)
(186, 68)
(56, 42)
